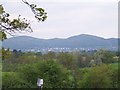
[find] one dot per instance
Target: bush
(53, 74)
(97, 77)
(12, 80)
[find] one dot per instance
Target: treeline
(98, 69)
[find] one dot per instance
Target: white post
(40, 83)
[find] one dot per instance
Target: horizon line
(61, 37)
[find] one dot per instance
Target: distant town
(45, 50)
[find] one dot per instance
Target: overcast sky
(69, 17)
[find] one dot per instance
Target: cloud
(68, 19)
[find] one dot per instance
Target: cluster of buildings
(60, 49)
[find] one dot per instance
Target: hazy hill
(79, 41)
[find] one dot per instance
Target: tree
(49, 55)
(97, 77)
(3, 53)
(19, 24)
(15, 53)
(53, 74)
(67, 60)
(92, 63)
(104, 56)
(39, 13)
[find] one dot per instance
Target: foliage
(97, 77)
(50, 71)
(2, 35)
(67, 60)
(6, 54)
(58, 70)
(12, 80)
(18, 24)
(12, 26)
(115, 74)
(104, 56)
(39, 13)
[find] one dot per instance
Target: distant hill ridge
(78, 41)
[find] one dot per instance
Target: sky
(68, 18)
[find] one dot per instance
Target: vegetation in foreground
(94, 69)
